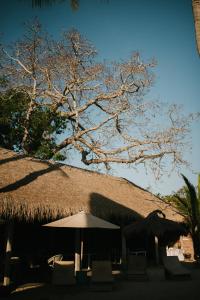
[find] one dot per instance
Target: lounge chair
(63, 273)
(102, 279)
(136, 267)
(174, 269)
(53, 259)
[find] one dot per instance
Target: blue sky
(158, 29)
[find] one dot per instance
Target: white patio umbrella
(79, 221)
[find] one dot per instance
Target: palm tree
(196, 13)
(41, 3)
(193, 198)
(187, 203)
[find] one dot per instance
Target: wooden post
(81, 241)
(156, 250)
(7, 270)
(77, 250)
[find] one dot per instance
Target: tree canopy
(57, 97)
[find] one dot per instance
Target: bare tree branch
(18, 61)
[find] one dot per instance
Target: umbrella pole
(124, 257)
(77, 250)
(156, 250)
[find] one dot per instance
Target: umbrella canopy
(82, 220)
(155, 224)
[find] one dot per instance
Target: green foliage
(12, 109)
(3, 82)
(59, 156)
(43, 125)
(181, 202)
(187, 203)
(194, 201)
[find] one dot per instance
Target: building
(34, 192)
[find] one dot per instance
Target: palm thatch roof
(155, 224)
(44, 190)
(196, 13)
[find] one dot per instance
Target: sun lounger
(63, 273)
(101, 279)
(136, 267)
(53, 259)
(174, 269)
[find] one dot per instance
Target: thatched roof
(155, 224)
(31, 188)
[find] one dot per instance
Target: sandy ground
(156, 288)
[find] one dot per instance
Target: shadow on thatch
(112, 211)
(156, 224)
(30, 177)
(13, 158)
(38, 189)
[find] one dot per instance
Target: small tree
(60, 98)
(187, 203)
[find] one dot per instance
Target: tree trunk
(196, 244)
(196, 13)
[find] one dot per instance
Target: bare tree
(107, 116)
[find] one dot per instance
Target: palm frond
(192, 195)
